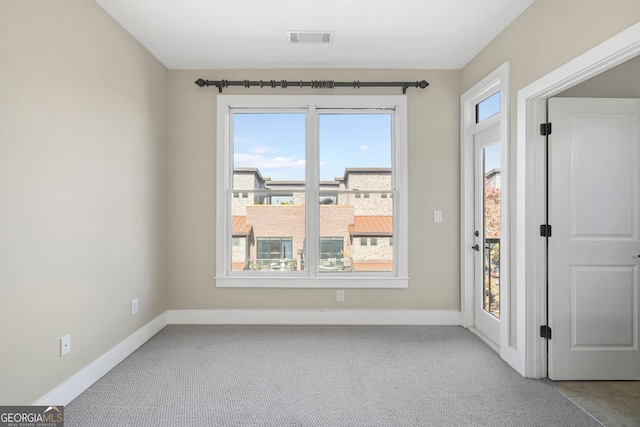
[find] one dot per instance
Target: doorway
(530, 251)
(594, 248)
(484, 211)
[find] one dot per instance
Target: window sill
(313, 283)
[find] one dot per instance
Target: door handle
(476, 247)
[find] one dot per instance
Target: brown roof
(239, 226)
(371, 226)
(237, 266)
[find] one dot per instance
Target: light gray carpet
(319, 376)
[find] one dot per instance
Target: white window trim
(310, 279)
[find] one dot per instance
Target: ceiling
(252, 34)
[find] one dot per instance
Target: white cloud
(364, 147)
(261, 162)
(262, 149)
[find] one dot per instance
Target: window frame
(312, 105)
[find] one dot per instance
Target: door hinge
(545, 129)
(545, 332)
(545, 230)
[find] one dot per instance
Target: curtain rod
(314, 84)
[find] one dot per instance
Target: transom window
(299, 178)
(488, 107)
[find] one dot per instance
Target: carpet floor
(319, 376)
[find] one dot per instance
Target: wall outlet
(65, 345)
(340, 295)
(134, 306)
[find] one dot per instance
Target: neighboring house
(493, 177)
(268, 230)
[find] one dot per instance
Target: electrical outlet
(340, 295)
(134, 306)
(65, 345)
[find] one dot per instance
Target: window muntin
(290, 193)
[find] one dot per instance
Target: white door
(487, 233)
(594, 189)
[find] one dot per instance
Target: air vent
(310, 37)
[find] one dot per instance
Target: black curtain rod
(314, 84)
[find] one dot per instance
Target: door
(487, 233)
(594, 188)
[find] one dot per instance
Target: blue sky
(274, 143)
(487, 108)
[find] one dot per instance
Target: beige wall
(82, 135)
(434, 184)
(622, 81)
(547, 35)
(82, 177)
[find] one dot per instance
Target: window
(301, 176)
(364, 241)
(331, 247)
(374, 241)
(488, 107)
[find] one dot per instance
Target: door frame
(498, 80)
(530, 248)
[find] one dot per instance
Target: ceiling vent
(310, 37)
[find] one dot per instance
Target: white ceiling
(251, 34)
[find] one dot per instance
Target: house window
(374, 241)
(274, 248)
(302, 161)
(331, 247)
(363, 241)
(488, 107)
(236, 241)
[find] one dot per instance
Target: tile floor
(613, 403)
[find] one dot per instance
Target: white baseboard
(315, 317)
(70, 389)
